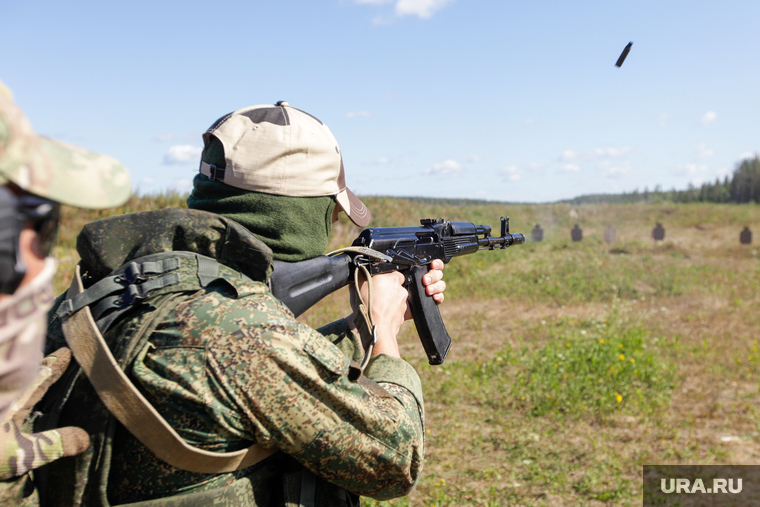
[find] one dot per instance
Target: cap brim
(354, 208)
(79, 177)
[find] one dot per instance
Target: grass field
(574, 364)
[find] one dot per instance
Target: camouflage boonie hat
(56, 170)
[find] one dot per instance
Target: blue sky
(500, 100)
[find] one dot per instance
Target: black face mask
(15, 212)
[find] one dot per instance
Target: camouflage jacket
(228, 366)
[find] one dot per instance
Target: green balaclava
(295, 228)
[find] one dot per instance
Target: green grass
(588, 368)
(598, 371)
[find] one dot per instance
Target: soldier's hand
(389, 302)
(433, 281)
(388, 309)
(21, 452)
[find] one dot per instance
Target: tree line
(743, 186)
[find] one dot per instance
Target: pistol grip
(427, 317)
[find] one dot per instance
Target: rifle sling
(129, 406)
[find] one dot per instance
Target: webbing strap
(361, 250)
(136, 271)
(129, 406)
(213, 172)
(208, 270)
(100, 290)
(365, 326)
(133, 272)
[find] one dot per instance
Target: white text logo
(685, 486)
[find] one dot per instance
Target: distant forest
(743, 186)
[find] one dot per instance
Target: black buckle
(131, 294)
(132, 273)
(215, 173)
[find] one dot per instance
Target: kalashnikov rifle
(409, 250)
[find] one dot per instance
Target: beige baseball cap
(278, 149)
(56, 170)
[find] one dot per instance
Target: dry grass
(695, 299)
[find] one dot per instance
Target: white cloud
(358, 114)
(164, 136)
(515, 173)
(474, 158)
(571, 168)
(747, 154)
(446, 167)
(704, 152)
(708, 117)
(182, 154)
(512, 173)
(423, 9)
(147, 181)
(598, 153)
(529, 121)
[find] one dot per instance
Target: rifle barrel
(491, 242)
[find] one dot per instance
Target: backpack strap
(129, 406)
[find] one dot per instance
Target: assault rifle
(301, 285)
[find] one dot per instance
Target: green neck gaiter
(295, 228)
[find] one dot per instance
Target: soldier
(36, 175)
(222, 361)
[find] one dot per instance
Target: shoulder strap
(130, 407)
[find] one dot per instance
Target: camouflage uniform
(59, 172)
(228, 366)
